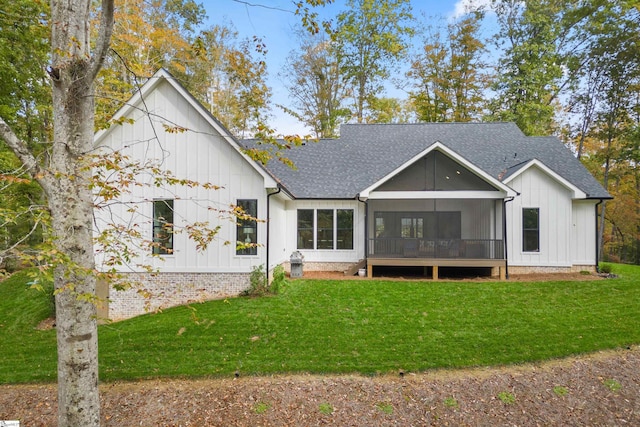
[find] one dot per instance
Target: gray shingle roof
(365, 153)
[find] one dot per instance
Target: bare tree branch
(104, 37)
(21, 150)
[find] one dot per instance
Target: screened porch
(436, 232)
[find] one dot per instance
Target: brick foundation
(320, 266)
(162, 290)
(550, 270)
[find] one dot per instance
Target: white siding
(539, 190)
(198, 154)
(584, 232)
(277, 232)
(324, 255)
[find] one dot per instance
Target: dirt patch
(46, 324)
(596, 390)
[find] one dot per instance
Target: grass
(28, 355)
(322, 326)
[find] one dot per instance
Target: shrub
(259, 285)
(605, 268)
(279, 280)
(257, 282)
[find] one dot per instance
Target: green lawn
(322, 326)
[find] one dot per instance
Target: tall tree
(316, 87)
(148, 35)
(370, 38)
(448, 75)
(229, 77)
(242, 97)
(25, 102)
(391, 110)
(65, 179)
(542, 46)
(612, 78)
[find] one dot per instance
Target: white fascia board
(508, 191)
(150, 85)
(387, 195)
(577, 193)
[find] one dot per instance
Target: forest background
(554, 67)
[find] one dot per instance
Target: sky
(274, 21)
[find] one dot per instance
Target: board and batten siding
(198, 153)
(583, 232)
(278, 250)
(538, 190)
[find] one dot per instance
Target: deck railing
(388, 247)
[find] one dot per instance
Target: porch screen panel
(449, 225)
(344, 229)
(305, 228)
(325, 229)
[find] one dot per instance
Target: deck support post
(435, 272)
(369, 270)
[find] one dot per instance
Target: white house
(430, 195)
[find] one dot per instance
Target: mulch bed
(601, 389)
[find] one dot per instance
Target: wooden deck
(434, 263)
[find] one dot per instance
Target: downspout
(268, 227)
(504, 235)
(597, 238)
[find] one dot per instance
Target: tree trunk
(67, 182)
(71, 207)
(603, 208)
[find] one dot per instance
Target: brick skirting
(152, 292)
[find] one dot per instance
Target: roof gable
(477, 175)
(136, 102)
(535, 163)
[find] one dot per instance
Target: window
(247, 229)
(531, 229)
(325, 229)
(324, 235)
(162, 227)
(305, 228)
(344, 235)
